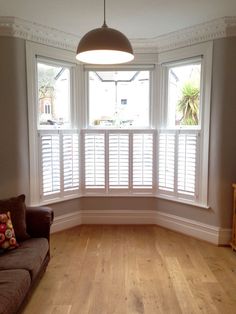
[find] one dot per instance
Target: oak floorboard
(134, 270)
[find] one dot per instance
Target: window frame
(180, 56)
(54, 56)
(139, 67)
(80, 119)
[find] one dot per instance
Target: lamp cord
(104, 15)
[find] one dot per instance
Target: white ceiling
(136, 18)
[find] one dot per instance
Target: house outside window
(54, 99)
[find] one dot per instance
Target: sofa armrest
(38, 221)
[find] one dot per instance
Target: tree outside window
(184, 95)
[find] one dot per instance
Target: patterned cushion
(16, 206)
(7, 234)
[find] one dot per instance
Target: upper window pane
(53, 95)
(119, 99)
(184, 83)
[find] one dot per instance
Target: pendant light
(104, 45)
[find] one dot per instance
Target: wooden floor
(134, 269)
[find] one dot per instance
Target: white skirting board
(212, 234)
(67, 221)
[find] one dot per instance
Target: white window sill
(182, 201)
(134, 195)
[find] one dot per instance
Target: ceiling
(138, 19)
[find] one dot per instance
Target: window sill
(182, 201)
(56, 200)
(134, 195)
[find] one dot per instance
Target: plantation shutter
(187, 163)
(142, 160)
(50, 164)
(166, 161)
(118, 161)
(71, 162)
(94, 154)
(178, 162)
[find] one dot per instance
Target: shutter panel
(187, 159)
(50, 163)
(142, 160)
(70, 162)
(166, 165)
(118, 160)
(94, 150)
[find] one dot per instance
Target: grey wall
(14, 160)
(223, 130)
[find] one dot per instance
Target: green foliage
(188, 105)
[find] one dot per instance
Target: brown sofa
(21, 268)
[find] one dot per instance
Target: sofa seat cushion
(29, 256)
(14, 285)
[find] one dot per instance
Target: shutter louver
(166, 169)
(94, 154)
(187, 150)
(50, 158)
(142, 160)
(118, 161)
(71, 162)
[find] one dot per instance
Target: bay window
(103, 131)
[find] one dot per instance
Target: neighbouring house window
(119, 99)
(47, 108)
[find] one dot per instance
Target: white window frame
(55, 56)
(139, 67)
(80, 120)
(180, 56)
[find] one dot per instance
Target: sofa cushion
(28, 256)
(14, 285)
(7, 234)
(16, 206)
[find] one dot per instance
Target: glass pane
(53, 96)
(119, 99)
(184, 95)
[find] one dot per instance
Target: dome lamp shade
(104, 45)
